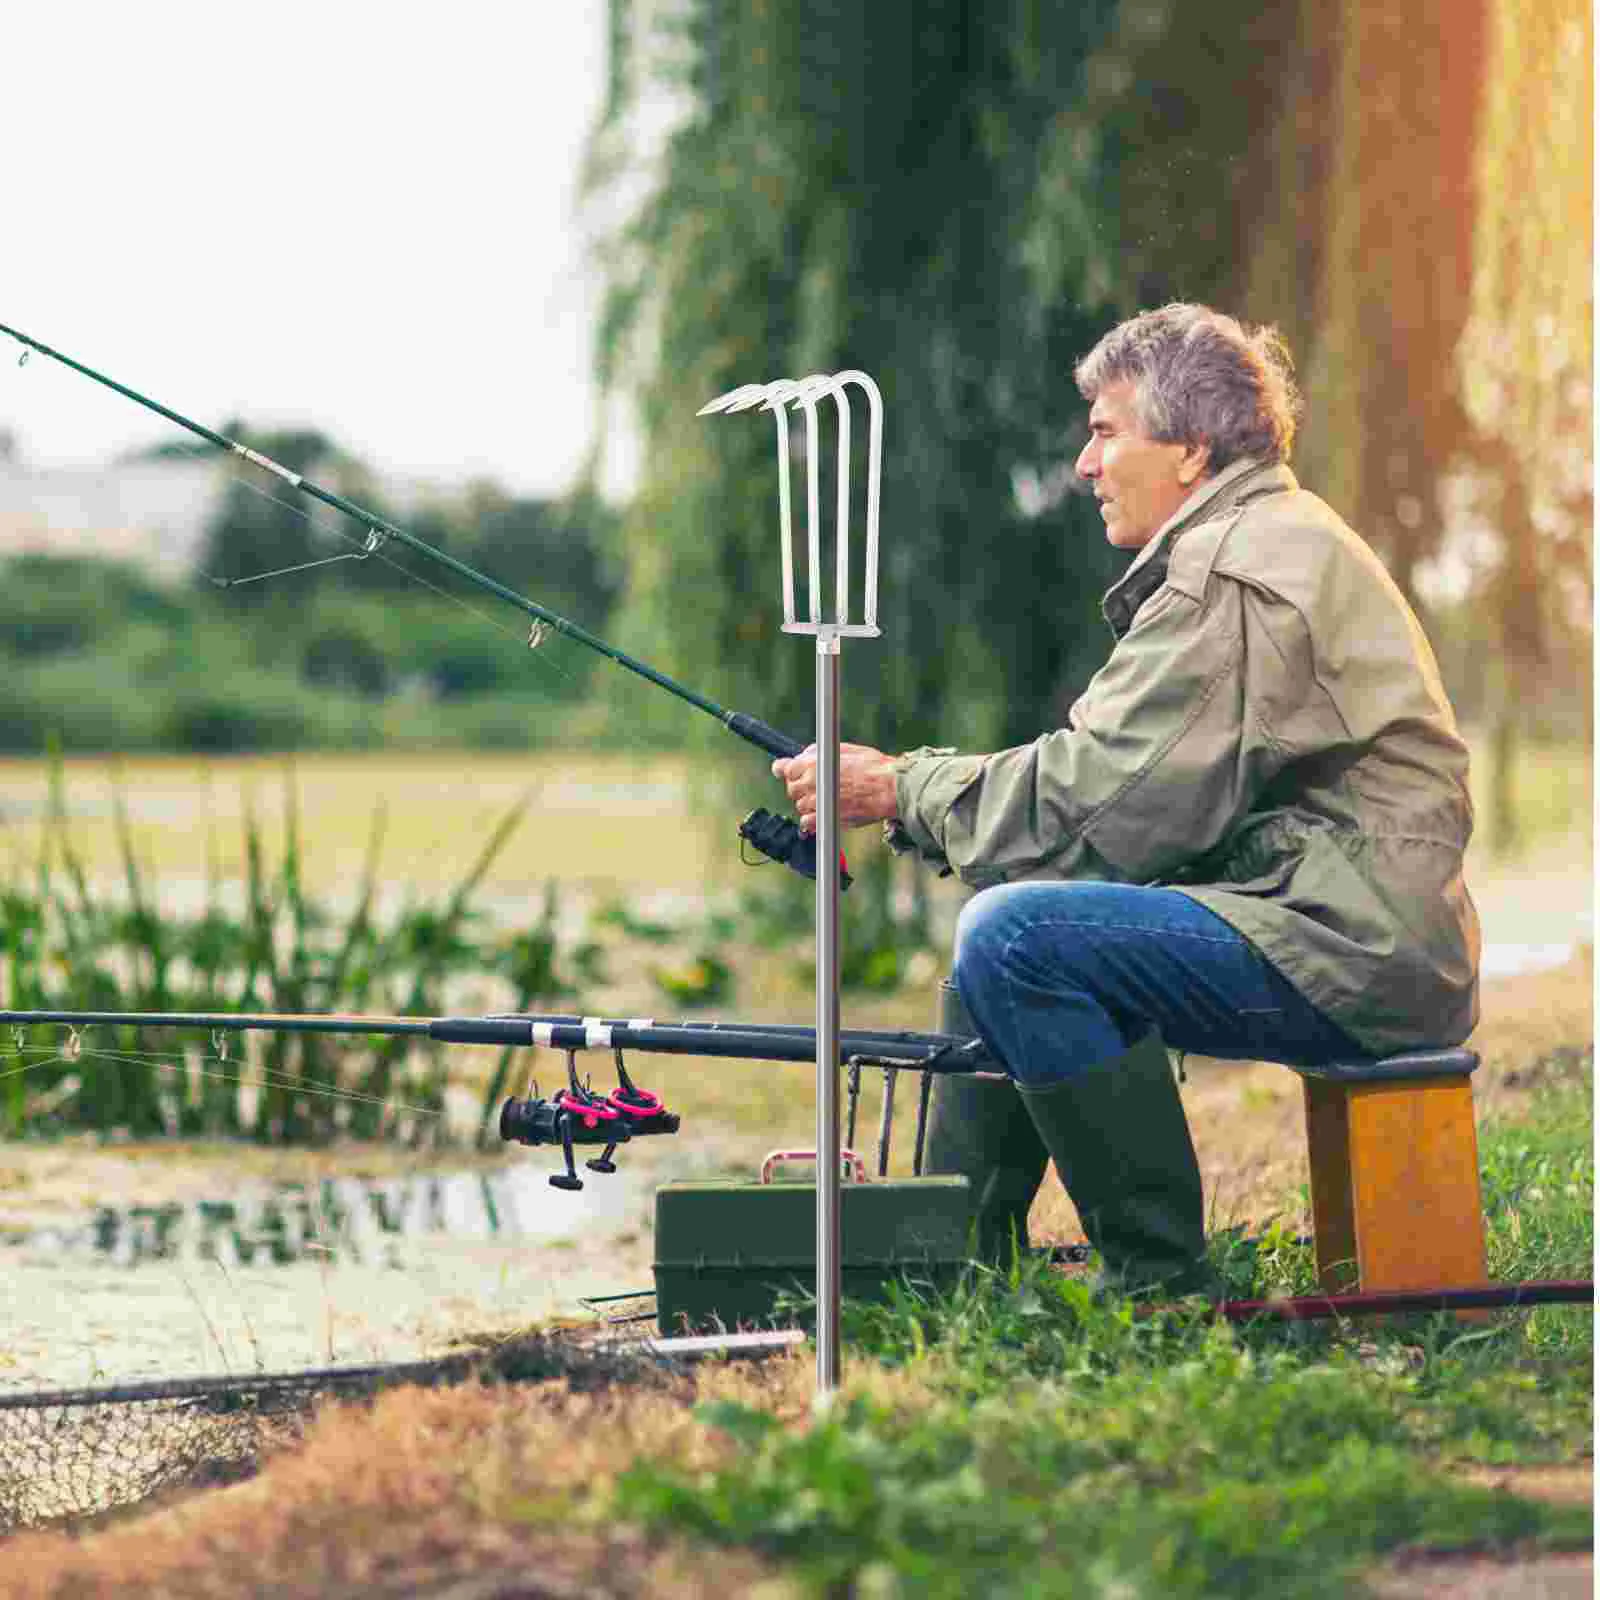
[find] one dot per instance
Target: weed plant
(1018, 1436)
(63, 945)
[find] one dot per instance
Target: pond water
(267, 1275)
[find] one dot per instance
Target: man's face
(1138, 481)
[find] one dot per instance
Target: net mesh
(71, 1454)
(70, 1459)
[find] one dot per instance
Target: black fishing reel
(577, 1115)
(780, 839)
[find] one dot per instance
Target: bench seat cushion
(1411, 1064)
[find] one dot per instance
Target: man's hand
(866, 785)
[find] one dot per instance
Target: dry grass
(468, 1491)
(473, 1491)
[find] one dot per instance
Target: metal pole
(828, 1234)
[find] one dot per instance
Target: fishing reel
(780, 839)
(577, 1115)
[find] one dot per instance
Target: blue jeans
(1059, 977)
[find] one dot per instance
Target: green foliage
(702, 980)
(102, 659)
(347, 654)
(884, 921)
(560, 552)
(1217, 1476)
(50, 606)
(1075, 1447)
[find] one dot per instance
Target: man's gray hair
(1200, 377)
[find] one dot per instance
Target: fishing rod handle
(779, 838)
(762, 734)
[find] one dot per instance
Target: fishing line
(58, 1059)
(372, 545)
(52, 1054)
(264, 1076)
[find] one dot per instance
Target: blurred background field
(615, 820)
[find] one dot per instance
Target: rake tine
(734, 400)
(785, 514)
(778, 396)
(874, 481)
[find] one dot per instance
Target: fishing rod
(577, 1114)
(748, 1041)
(778, 838)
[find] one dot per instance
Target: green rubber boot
(1119, 1138)
(979, 1129)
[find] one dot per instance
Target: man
(1246, 842)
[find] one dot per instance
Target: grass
(1060, 1447)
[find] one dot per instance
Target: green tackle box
(725, 1252)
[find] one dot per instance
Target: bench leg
(1394, 1184)
(1333, 1214)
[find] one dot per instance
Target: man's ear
(1192, 468)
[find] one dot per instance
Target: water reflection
(364, 1221)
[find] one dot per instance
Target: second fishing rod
(777, 837)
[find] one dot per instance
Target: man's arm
(1168, 747)
(1166, 750)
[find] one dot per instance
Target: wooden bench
(1394, 1172)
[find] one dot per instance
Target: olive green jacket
(1269, 735)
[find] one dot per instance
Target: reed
(275, 944)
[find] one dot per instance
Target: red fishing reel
(576, 1115)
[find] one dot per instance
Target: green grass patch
(1040, 1442)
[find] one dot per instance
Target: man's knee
(987, 924)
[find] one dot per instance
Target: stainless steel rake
(777, 397)
(807, 394)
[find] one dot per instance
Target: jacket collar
(1244, 480)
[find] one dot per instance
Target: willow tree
(1526, 363)
(1422, 231)
(915, 191)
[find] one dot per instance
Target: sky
(352, 216)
